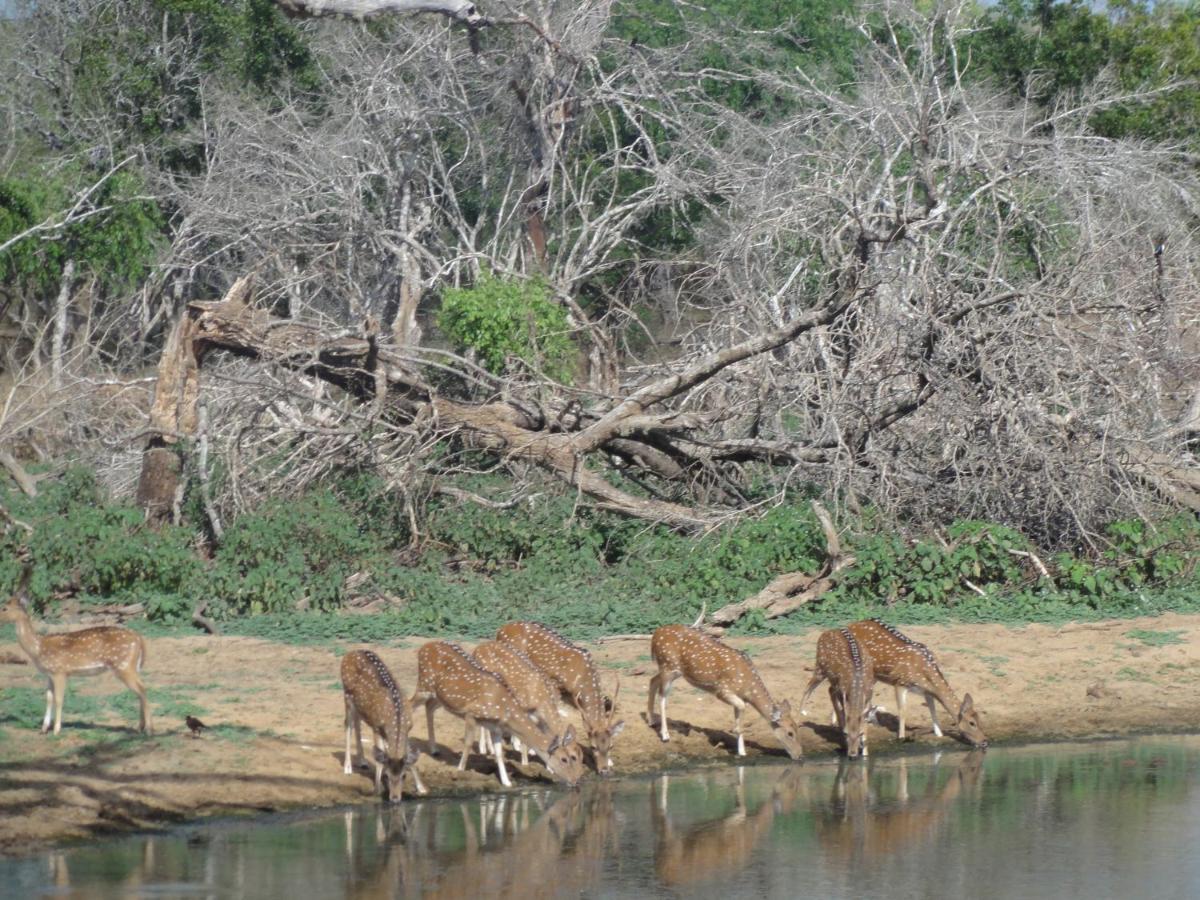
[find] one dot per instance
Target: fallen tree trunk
(386, 377)
(791, 590)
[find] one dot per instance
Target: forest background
(451, 315)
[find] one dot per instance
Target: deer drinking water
(530, 685)
(372, 696)
(910, 666)
(86, 652)
(846, 665)
(720, 670)
(447, 677)
(572, 670)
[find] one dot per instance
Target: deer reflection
(722, 847)
(509, 846)
(860, 829)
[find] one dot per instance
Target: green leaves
(503, 321)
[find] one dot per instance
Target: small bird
(195, 726)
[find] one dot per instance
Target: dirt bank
(276, 712)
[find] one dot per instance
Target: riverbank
(275, 715)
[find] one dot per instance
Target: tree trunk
(61, 305)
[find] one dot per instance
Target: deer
(448, 677)
(530, 685)
(372, 696)
(86, 652)
(851, 674)
(720, 670)
(908, 665)
(571, 668)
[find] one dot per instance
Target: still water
(1114, 819)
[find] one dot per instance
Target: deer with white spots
(848, 667)
(572, 670)
(447, 677)
(909, 665)
(86, 652)
(372, 696)
(530, 685)
(722, 671)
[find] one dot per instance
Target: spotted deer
(530, 685)
(851, 674)
(447, 677)
(372, 696)
(572, 670)
(86, 652)
(717, 668)
(910, 666)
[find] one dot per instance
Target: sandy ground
(277, 712)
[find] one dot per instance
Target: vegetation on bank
(279, 570)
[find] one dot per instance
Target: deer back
(709, 664)
(530, 685)
(369, 684)
(898, 659)
(91, 650)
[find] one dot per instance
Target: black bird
(195, 726)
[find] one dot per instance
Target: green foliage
(115, 247)
(290, 550)
(503, 320)
(1156, 638)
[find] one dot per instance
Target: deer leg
(738, 706)
(500, 764)
(651, 696)
(49, 717)
(664, 688)
(468, 733)
(931, 703)
(421, 789)
(351, 727)
(380, 750)
(130, 678)
(839, 711)
(484, 740)
(60, 691)
(901, 696)
(521, 747)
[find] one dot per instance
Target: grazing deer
(572, 670)
(530, 685)
(910, 666)
(447, 677)
(372, 696)
(86, 652)
(720, 670)
(851, 675)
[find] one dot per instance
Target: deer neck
(760, 698)
(939, 689)
(29, 640)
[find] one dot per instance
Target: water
(1117, 819)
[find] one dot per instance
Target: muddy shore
(275, 717)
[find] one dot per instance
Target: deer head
(969, 725)
(602, 733)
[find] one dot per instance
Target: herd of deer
(510, 688)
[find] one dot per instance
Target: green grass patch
(1125, 673)
(1156, 638)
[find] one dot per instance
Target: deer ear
(618, 728)
(413, 754)
(968, 705)
(785, 708)
(569, 736)
(554, 744)
(776, 715)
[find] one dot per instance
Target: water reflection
(860, 824)
(1103, 820)
(720, 847)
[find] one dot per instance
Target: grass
(1125, 673)
(1156, 638)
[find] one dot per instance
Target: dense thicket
(935, 264)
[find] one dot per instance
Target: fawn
(447, 677)
(372, 696)
(851, 675)
(720, 670)
(530, 685)
(910, 666)
(572, 670)
(86, 652)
